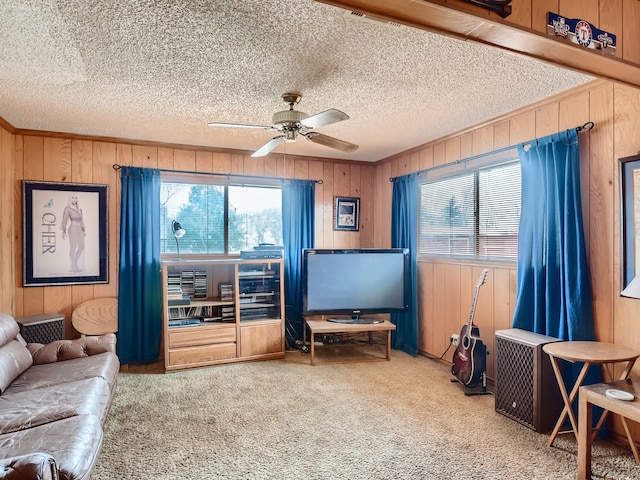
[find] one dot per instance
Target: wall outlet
(455, 339)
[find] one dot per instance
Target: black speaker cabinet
(526, 389)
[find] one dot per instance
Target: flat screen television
(355, 282)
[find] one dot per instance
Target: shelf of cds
(220, 311)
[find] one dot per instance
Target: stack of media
(175, 294)
(227, 313)
(225, 291)
(200, 284)
(263, 251)
(186, 281)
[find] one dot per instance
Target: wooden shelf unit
(247, 323)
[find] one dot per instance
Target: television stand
(357, 320)
(326, 327)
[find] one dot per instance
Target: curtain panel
(298, 233)
(553, 288)
(140, 280)
(404, 234)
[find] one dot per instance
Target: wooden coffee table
(591, 395)
(326, 327)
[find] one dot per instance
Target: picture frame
(629, 223)
(65, 233)
(346, 212)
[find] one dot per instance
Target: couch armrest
(68, 349)
(32, 465)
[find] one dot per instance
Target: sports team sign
(581, 32)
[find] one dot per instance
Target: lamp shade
(177, 229)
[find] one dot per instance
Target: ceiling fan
(292, 123)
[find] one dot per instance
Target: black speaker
(526, 389)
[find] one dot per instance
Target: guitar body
(469, 359)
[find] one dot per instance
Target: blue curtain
(553, 294)
(553, 289)
(298, 232)
(404, 234)
(140, 282)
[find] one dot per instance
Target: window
(471, 214)
(219, 219)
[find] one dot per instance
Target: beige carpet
(285, 419)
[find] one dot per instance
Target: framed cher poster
(65, 233)
(630, 225)
(346, 211)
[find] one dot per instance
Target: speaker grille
(526, 389)
(514, 392)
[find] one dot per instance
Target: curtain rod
(586, 127)
(227, 175)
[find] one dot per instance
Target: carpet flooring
(285, 419)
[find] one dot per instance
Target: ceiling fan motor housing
(288, 117)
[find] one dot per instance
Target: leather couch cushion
(38, 465)
(32, 408)
(14, 360)
(61, 350)
(74, 443)
(9, 328)
(103, 365)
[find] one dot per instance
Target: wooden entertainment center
(222, 311)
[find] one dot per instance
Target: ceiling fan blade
(332, 142)
(239, 125)
(324, 118)
(268, 147)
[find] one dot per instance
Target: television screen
(355, 281)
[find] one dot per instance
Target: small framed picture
(65, 233)
(346, 211)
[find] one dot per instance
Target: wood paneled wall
(85, 160)
(446, 287)
(7, 227)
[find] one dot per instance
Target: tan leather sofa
(54, 401)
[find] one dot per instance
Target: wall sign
(581, 32)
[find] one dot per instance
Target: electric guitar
(470, 357)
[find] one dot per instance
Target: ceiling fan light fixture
(290, 135)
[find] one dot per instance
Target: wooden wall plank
(81, 161)
(104, 156)
(7, 273)
(18, 175)
(452, 300)
(602, 204)
(539, 9)
(483, 140)
(630, 31)
(222, 162)
(57, 160)
(426, 158)
(367, 213)
(425, 308)
(585, 10)
(183, 160)
(327, 204)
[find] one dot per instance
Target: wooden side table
(590, 353)
(596, 394)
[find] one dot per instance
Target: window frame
(473, 166)
(225, 181)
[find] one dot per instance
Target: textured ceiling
(161, 70)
